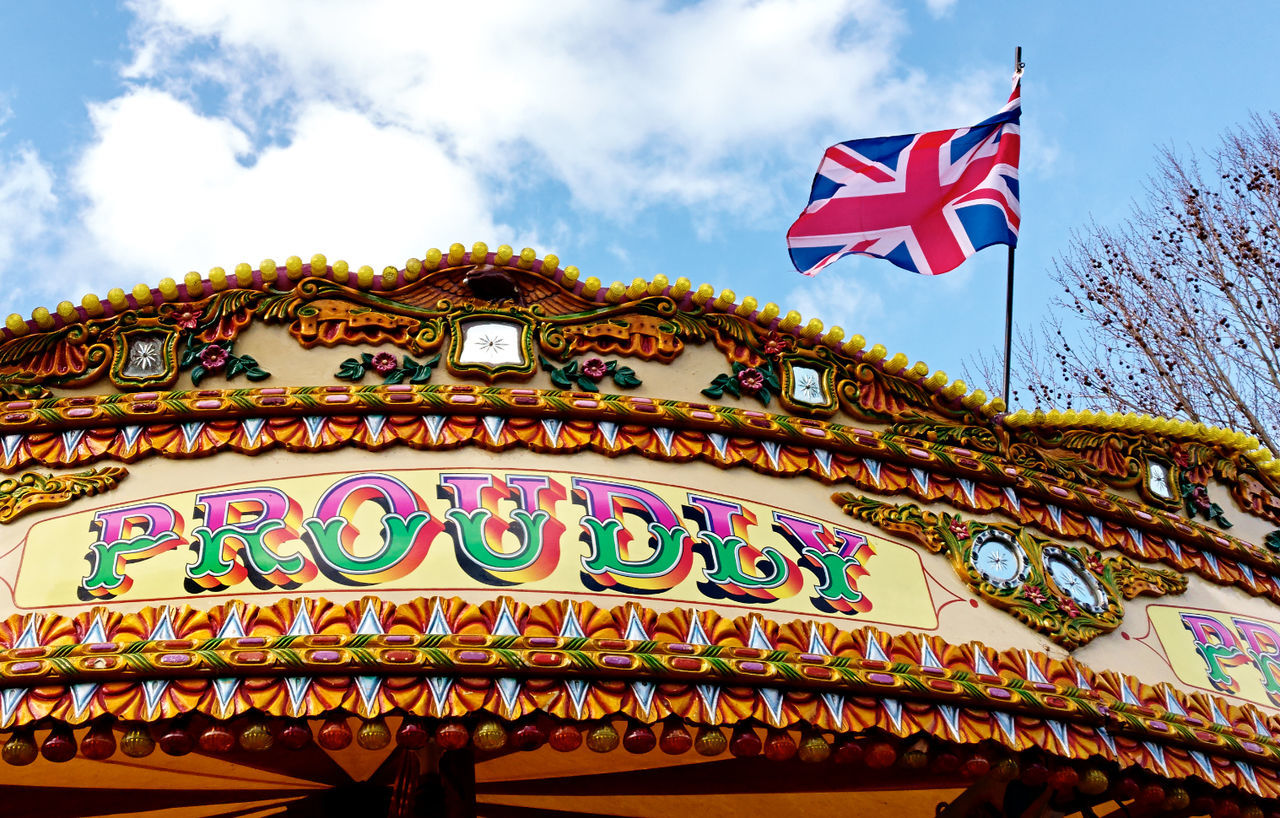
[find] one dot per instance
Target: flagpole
(1008, 303)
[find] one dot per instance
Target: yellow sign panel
(455, 530)
(1220, 651)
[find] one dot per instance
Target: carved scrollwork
(32, 491)
(1070, 594)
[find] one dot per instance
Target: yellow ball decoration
(195, 284)
(42, 318)
(550, 263)
(895, 364)
(768, 313)
(67, 310)
(590, 287)
(16, 324)
(168, 288)
(602, 738)
(293, 268)
(244, 274)
(570, 274)
(615, 292)
(341, 271)
(748, 306)
(658, 285)
(876, 353)
(117, 299)
(955, 390)
(834, 336)
(489, 736)
(854, 344)
(703, 294)
(412, 269)
(373, 734)
(527, 257)
(811, 330)
(457, 252)
(725, 299)
(937, 380)
(504, 254)
(637, 288)
(364, 277)
(93, 307)
(390, 277)
(919, 369)
(218, 279)
(319, 265)
(432, 259)
(681, 288)
(142, 294)
(479, 253)
(789, 321)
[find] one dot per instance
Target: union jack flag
(925, 202)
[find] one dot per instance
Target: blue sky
(143, 140)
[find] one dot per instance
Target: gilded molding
(33, 491)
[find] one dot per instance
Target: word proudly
(1224, 647)
(504, 530)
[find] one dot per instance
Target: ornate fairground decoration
(440, 539)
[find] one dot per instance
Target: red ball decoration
(565, 738)
(1201, 805)
(976, 766)
(100, 743)
(1223, 808)
(1126, 788)
(176, 740)
(295, 735)
(1151, 794)
(745, 742)
(849, 751)
(675, 739)
(452, 735)
(639, 739)
(335, 733)
(412, 734)
(947, 761)
(59, 745)
(216, 738)
(1035, 774)
(1065, 779)
(779, 746)
(528, 736)
(881, 755)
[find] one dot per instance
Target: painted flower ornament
(213, 357)
(595, 368)
(383, 362)
(751, 380)
(187, 319)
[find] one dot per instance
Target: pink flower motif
(1034, 594)
(751, 380)
(960, 529)
(383, 363)
(213, 357)
(1094, 562)
(594, 368)
(1069, 607)
(773, 344)
(187, 319)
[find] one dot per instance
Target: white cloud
(939, 8)
(365, 130)
(26, 201)
(840, 300)
(626, 103)
(168, 186)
